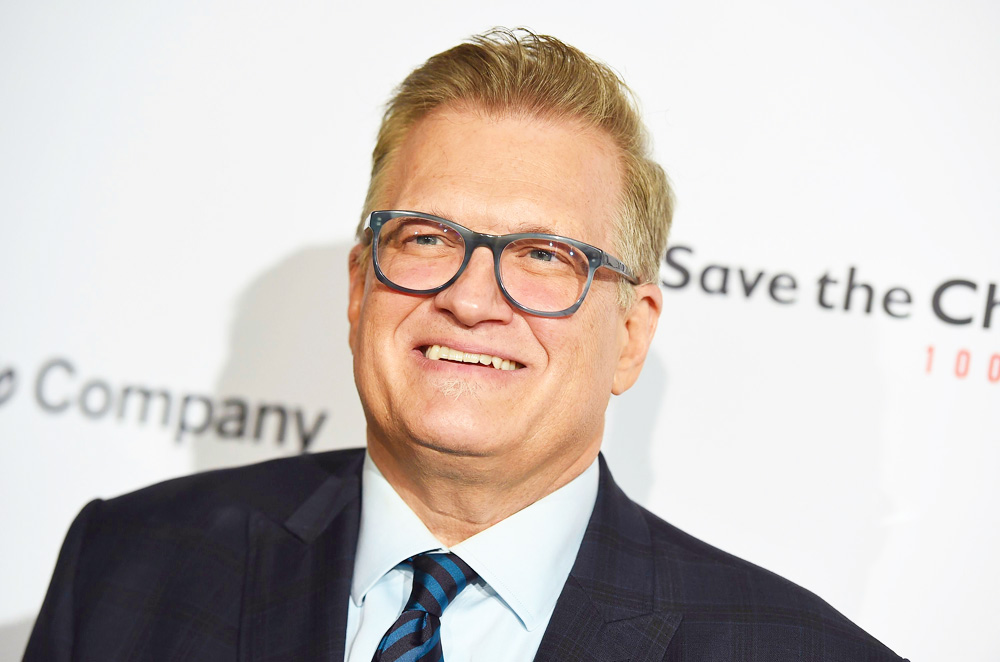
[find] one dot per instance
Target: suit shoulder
(167, 566)
(275, 488)
(718, 591)
(197, 522)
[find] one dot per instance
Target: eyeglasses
(541, 274)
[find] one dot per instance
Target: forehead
(510, 174)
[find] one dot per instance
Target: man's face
(497, 176)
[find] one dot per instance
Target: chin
(459, 440)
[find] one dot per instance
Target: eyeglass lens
(540, 274)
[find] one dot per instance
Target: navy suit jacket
(255, 564)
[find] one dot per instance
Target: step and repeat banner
(180, 181)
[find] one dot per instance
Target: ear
(639, 327)
(356, 275)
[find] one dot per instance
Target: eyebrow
(538, 229)
(520, 228)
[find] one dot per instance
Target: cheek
(583, 346)
(385, 326)
(381, 309)
(374, 330)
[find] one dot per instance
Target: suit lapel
(608, 609)
(299, 572)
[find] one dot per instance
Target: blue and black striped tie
(416, 634)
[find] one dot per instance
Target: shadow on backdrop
(14, 638)
(288, 346)
(629, 436)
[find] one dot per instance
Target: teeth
(437, 352)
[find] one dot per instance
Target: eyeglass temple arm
(613, 263)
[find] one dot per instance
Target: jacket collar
(299, 566)
(608, 611)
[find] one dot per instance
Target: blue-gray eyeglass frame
(596, 258)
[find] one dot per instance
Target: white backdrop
(179, 183)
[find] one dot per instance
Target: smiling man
(468, 443)
(503, 288)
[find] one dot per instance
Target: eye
(426, 239)
(543, 255)
(419, 234)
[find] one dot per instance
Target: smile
(442, 353)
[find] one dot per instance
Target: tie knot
(437, 580)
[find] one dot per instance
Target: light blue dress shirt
(522, 561)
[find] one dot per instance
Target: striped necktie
(416, 634)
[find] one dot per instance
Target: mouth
(443, 353)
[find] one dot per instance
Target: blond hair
(504, 71)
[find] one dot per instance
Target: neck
(456, 496)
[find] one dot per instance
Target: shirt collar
(548, 531)
(390, 532)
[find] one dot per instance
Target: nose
(476, 297)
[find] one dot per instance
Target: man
(503, 288)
